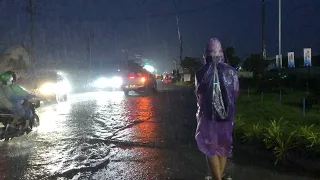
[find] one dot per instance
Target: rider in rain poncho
(15, 94)
(5, 91)
(217, 88)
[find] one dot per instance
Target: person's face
(10, 81)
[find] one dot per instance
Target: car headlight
(63, 87)
(116, 82)
(101, 83)
(48, 88)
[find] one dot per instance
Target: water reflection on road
(78, 136)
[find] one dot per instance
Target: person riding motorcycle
(18, 97)
(5, 103)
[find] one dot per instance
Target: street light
(264, 51)
(280, 54)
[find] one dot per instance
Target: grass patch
(180, 83)
(278, 126)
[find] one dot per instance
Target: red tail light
(131, 75)
(143, 79)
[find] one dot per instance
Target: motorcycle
(6, 118)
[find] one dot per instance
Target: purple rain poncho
(217, 87)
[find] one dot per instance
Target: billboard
(307, 56)
(291, 63)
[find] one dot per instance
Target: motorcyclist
(18, 96)
(5, 103)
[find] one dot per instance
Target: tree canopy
(232, 58)
(191, 64)
(255, 63)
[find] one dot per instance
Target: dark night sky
(63, 26)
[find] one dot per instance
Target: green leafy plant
(308, 138)
(314, 139)
(273, 133)
(292, 135)
(238, 125)
(303, 132)
(253, 133)
(282, 147)
(275, 139)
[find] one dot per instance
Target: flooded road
(106, 135)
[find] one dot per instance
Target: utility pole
(280, 53)
(178, 27)
(175, 64)
(89, 49)
(264, 51)
(30, 10)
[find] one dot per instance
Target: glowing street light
(149, 68)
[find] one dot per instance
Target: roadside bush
(308, 139)
(253, 133)
(279, 137)
(238, 126)
(277, 140)
(277, 125)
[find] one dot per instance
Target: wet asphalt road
(105, 135)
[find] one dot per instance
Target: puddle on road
(75, 137)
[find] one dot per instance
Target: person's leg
(14, 121)
(27, 124)
(223, 162)
(28, 116)
(214, 165)
(16, 115)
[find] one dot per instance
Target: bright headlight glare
(149, 68)
(101, 83)
(48, 88)
(116, 82)
(63, 87)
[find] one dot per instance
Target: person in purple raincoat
(217, 87)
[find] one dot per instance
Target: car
(167, 78)
(49, 85)
(140, 81)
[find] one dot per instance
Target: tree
(191, 64)
(254, 63)
(230, 54)
(8, 63)
(15, 58)
(17, 64)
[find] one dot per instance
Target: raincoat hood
(213, 51)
